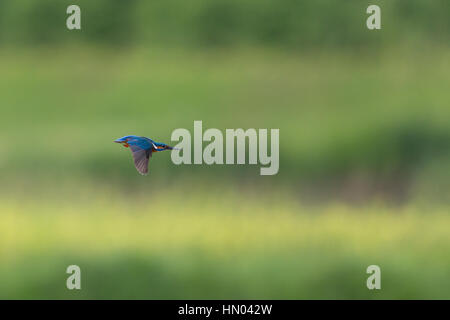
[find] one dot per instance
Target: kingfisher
(142, 149)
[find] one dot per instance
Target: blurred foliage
(210, 243)
(364, 122)
(383, 120)
(286, 23)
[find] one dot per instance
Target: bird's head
(124, 140)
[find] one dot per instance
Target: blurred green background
(364, 175)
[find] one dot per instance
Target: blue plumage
(142, 149)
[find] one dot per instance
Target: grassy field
(371, 124)
(336, 113)
(174, 245)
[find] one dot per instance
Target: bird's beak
(124, 143)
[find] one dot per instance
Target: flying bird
(142, 149)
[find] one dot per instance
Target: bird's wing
(141, 157)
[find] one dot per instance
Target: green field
(336, 113)
(175, 245)
(364, 174)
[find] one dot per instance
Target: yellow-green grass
(181, 243)
(189, 231)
